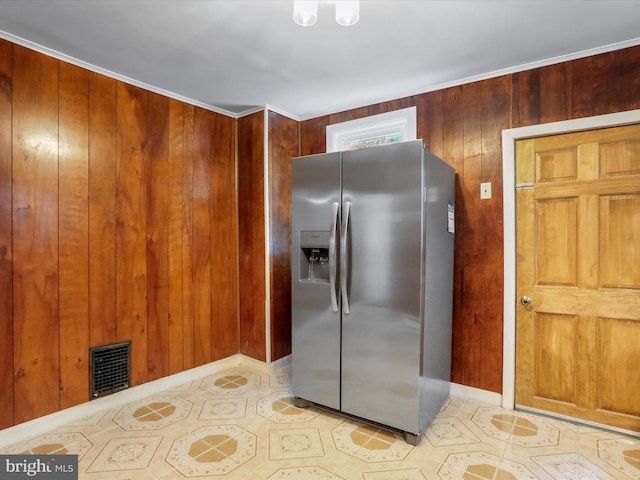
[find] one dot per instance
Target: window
(391, 127)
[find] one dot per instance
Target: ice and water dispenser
(314, 256)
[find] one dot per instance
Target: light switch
(485, 190)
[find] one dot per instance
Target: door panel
(578, 243)
(619, 351)
(556, 237)
(381, 333)
(555, 339)
(315, 326)
(620, 158)
(556, 165)
(619, 252)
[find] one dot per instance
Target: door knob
(526, 301)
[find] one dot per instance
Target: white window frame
(340, 136)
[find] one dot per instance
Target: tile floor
(241, 424)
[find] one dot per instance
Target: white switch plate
(485, 190)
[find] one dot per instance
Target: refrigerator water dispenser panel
(314, 256)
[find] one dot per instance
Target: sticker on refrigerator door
(451, 218)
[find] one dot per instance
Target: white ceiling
(234, 56)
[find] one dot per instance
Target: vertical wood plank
(405, 102)
(471, 343)
(453, 146)
(252, 287)
(224, 241)
(495, 117)
(354, 114)
(188, 326)
(157, 207)
(615, 83)
(515, 100)
(527, 94)
(202, 153)
(434, 115)
(340, 117)
(74, 234)
(312, 136)
(6, 244)
(176, 317)
(102, 210)
(35, 224)
(422, 119)
(283, 146)
(555, 104)
(581, 89)
(131, 221)
(393, 105)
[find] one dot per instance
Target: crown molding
(108, 73)
(484, 76)
(300, 118)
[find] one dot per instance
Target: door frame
(509, 138)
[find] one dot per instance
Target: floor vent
(109, 368)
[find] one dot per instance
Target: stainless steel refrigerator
(372, 275)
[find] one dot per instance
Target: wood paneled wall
(283, 146)
(251, 136)
(120, 218)
(6, 250)
(118, 221)
(463, 126)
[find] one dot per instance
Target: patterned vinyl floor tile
(242, 424)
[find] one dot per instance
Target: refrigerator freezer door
(314, 282)
(381, 333)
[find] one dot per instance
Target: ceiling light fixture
(305, 12)
(347, 12)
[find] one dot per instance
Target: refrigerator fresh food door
(382, 188)
(314, 283)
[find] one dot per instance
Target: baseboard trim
(475, 394)
(41, 425)
(283, 363)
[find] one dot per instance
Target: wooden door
(578, 260)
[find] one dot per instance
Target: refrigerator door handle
(333, 257)
(343, 256)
